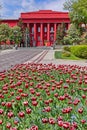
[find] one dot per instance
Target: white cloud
(3, 9)
(30, 5)
(54, 5)
(16, 14)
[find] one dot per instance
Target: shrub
(66, 54)
(67, 40)
(83, 43)
(66, 48)
(79, 51)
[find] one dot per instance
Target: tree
(61, 31)
(4, 32)
(15, 35)
(77, 11)
(26, 37)
(25, 33)
(68, 5)
(73, 35)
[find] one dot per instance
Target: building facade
(42, 25)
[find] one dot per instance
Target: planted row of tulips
(43, 97)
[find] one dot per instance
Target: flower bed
(43, 97)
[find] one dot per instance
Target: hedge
(79, 51)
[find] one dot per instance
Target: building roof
(43, 14)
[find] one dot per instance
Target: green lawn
(58, 55)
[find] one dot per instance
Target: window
(38, 29)
(45, 29)
(51, 29)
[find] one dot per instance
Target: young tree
(27, 37)
(61, 31)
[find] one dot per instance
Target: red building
(42, 25)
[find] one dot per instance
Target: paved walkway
(49, 58)
(9, 58)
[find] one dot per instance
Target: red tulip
(21, 114)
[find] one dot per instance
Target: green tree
(61, 31)
(68, 5)
(21, 25)
(15, 35)
(77, 11)
(25, 33)
(4, 32)
(73, 35)
(27, 37)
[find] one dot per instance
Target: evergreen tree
(61, 31)
(73, 35)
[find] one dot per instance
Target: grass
(58, 55)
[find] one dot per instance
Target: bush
(67, 40)
(66, 54)
(79, 51)
(66, 48)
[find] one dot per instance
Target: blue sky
(11, 9)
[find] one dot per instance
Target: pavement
(6, 51)
(49, 58)
(9, 58)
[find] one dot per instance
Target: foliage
(65, 55)
(4, 32)
(43, 97)
(77, 10)
(20, 24)
(60, 33)
(66, 48)
(73, 35)
(15, 34)
(26, 36)
(67, 40)
(10, 34)
(84, 36)
(80, 51)
(68, 5)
